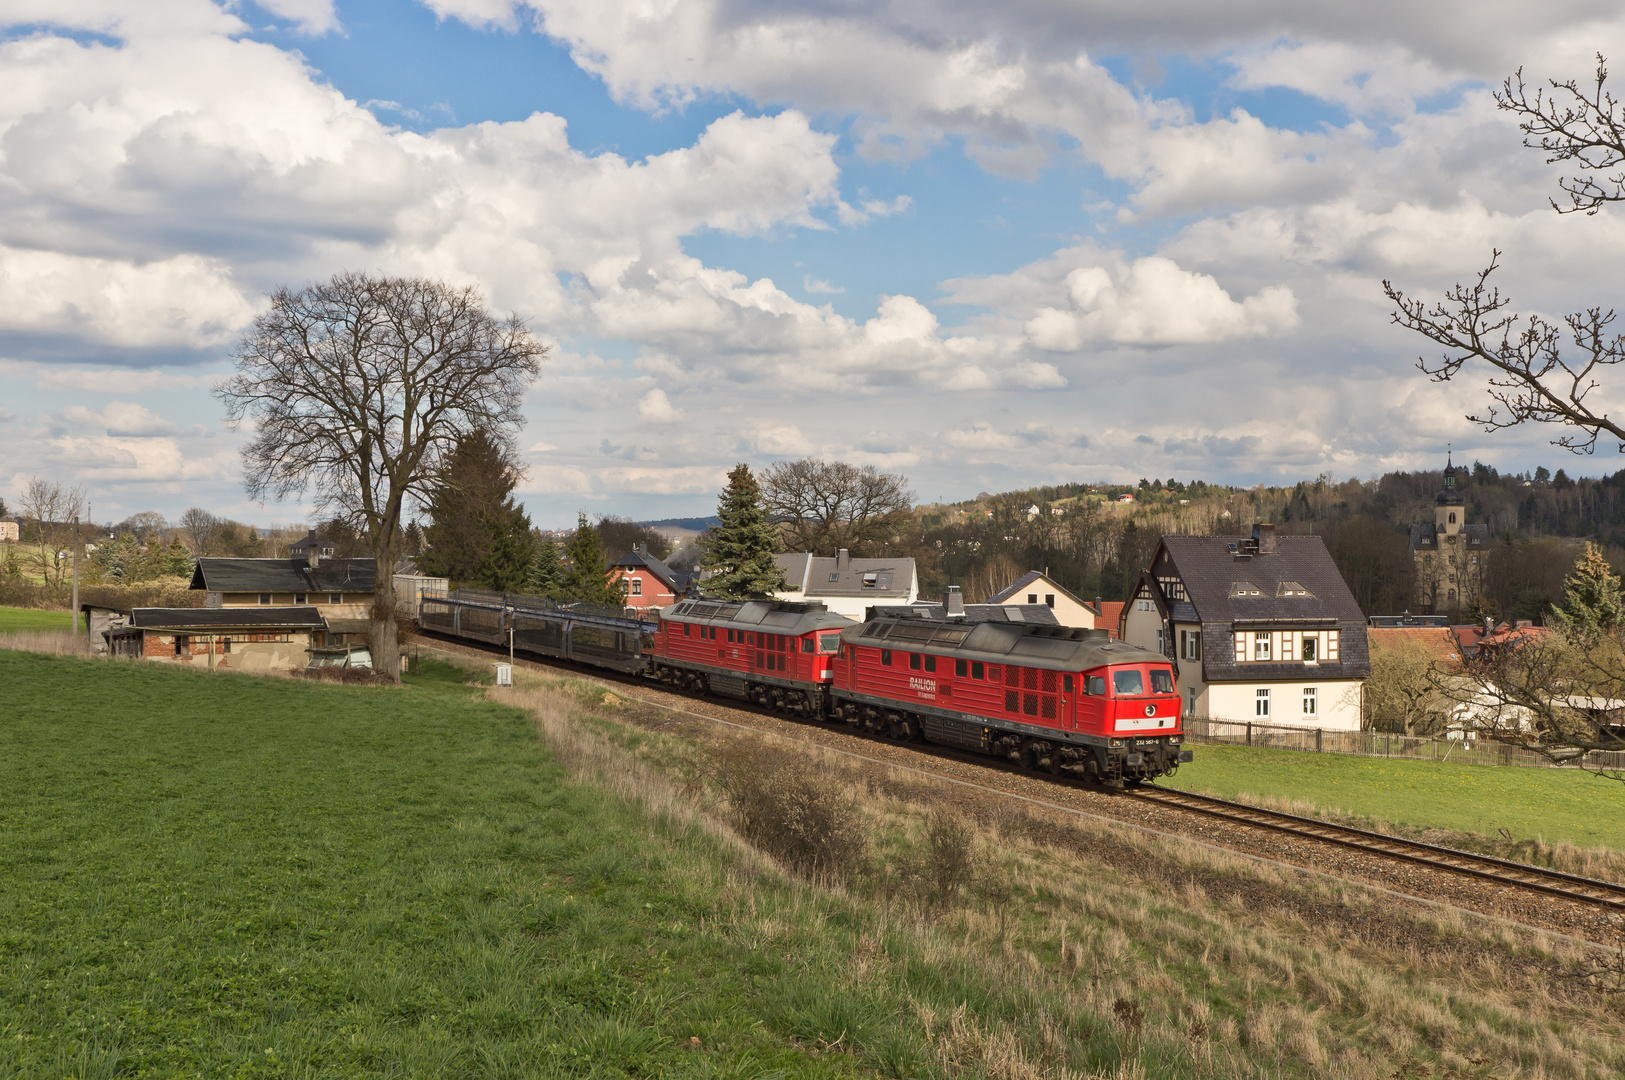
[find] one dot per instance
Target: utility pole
(76, 545)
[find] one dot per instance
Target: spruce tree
(1592, 602)
(178, 559)
(739, 551)
(546, 569)
(587, 579)
(477, 532)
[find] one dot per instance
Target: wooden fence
(1380, 744)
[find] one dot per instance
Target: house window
(183, 645)
(265, 598)
(299, 598)
(1190, 644)
(871, 581)
(335, 598)
(1190, 701)
(1261, 649)
(1032, 598)
(1161, 638)
(1309, 646)
(637, 586)
(1261, 704)
(1049, 599)
(833, 578)
(225, 646)
(1309, 701)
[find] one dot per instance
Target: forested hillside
(1096, 544)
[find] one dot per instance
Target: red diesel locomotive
(1055, 698)
(1063, 700)
(774, 653)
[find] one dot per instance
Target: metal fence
(1380, 744)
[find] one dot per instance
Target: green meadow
(13, 618)
(1553, 805)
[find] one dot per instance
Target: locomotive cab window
(914, 661)
(959, 668)
(1162, 681)
(976, 670)
(1128, 683)
(829, 643)
(730, 637)
(1095, 685)
(930, 663)
(808, 644)
(885, 657)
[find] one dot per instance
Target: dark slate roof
(1210, 572)
(310, 540)
(227, 618)
(1027, 579)
(1426, 537)
(634, 559)
(285, 575)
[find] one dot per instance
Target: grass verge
(13, 619)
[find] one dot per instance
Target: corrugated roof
(285, 575)
(256, 618)
(818, 575)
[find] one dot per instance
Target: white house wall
(1337, 703)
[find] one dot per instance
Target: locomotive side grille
(1048, 681)
(1012, 700)
(1012, 675)
(1046, 707)
(1029, 704)
(1030, 678)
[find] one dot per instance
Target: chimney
(1489, 626)
(313, 554)
(1264, 536)
(953, 603)
(841, 559)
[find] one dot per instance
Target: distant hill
(697, 524)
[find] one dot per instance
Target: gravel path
(980, 784)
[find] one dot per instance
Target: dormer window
(1261, 647)
(1244, 588)
(1291, 588)
(870, 580)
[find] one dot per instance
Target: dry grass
(1144, 958)
(47, 642)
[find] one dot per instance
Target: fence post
(1249, 733)
(1317, 740)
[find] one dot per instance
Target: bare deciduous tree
(1542, 371)
(201, 529)
(359, 387)
(55, 513)
(823, 506)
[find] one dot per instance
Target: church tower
(1449, 554)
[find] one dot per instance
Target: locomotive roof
(776, 616)
(1063, 648)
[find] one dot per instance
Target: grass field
(216, 875)
(12, 618)
(1552, 804)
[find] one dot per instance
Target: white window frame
(1311, 703)
(1261, 648)
(637, 586)
(1261, 704)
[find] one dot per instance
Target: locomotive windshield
(1162, 680)
(1127, 683)
(829, 643)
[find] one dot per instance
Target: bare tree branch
(823, 506)
(359, 387)
(1570, 124)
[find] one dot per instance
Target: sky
(985, 246)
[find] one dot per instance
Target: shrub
(784, 805)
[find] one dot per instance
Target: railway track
(1487, 867)
(1589, 892)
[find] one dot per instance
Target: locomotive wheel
(1029, 757)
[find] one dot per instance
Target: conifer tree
(587, 579)
(739, 551)
(1592, 602)
(178, 559)
(477, 532)
(546, 569)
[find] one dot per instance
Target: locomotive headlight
(1114, 742)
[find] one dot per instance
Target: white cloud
(310, 16)
(818, 285)
(654, 408)
(1153, 302)
(120, 418)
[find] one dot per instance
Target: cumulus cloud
(654, 408)
(1152, 301)
(309, 16)
(120, 418)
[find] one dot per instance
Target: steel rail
(1585, 890)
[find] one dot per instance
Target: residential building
(650, 583)
(238, 638)
(10, 531)
(1450, 555)
(1037, 587)
(340, 590)
(845, 585)
(1260, 628)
